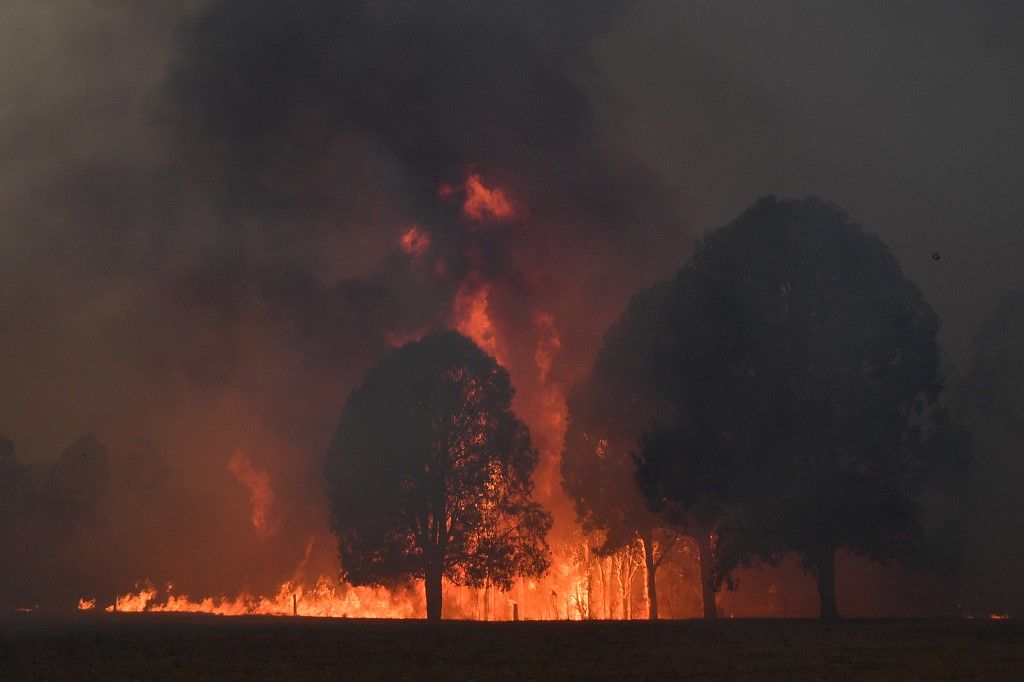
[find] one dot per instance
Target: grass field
(147, 646)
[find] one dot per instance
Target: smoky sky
(178, 175)
(200, 201)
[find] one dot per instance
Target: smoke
(215, 256)
(204, 209)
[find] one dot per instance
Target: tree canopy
(804, 363)
(429, 474)
(607, 414)
(989, 401)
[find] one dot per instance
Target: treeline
(92, 522)
(780, 395)
(784, 394)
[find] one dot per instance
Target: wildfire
(260, 494)
(548, 344)
(472, 318)
(481, 203)
(414, 241)
(325, 598)
(579, 585)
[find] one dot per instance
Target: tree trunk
(826, 574)
(613, 588)
(652, 587)
(707, 577)
(590, 587)
(432, 585)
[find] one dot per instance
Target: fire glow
(481, 204)
(324, 599)
(580, 585)
(260, 494)
(414, 241)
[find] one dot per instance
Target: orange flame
(470, 311)
(483, 203)
(414, 241)
(260, 494)
(86, 604)
(579, 585)
(325, 598)
(548, 344)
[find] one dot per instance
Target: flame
(414, 241)
(86, 604)
(481, 203)
(579, 585)
(325, 598)
(548, 344)
(261, 496)
(132, 602)
(999, 616)
(484, 203)
(472, 318)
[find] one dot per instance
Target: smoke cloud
(205, 206)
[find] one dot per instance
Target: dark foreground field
(146, 646)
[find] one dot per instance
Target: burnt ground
(147, 646)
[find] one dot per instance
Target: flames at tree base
(325, 598)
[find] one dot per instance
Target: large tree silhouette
(990, 402)
(429, 474)
(607, 414)
(816, 363)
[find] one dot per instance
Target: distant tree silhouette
(15, 492)
(805, 364)
(989, 401)
(607, 414)
(429, 474)
(15, 485)
(74, 490)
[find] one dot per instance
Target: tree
(429, 474)
(816, 365)
(15, 485)
(607, 413)
(989, 401)
(15, 492)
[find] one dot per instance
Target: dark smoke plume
(202, 204)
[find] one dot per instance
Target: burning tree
(805, 362)
(429, 474)
(607, 414)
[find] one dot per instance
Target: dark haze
(202, 204)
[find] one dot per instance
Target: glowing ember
(414, 241)
(86, 604)
(260, 494)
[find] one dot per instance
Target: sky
(202, 202)
(906, 114)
